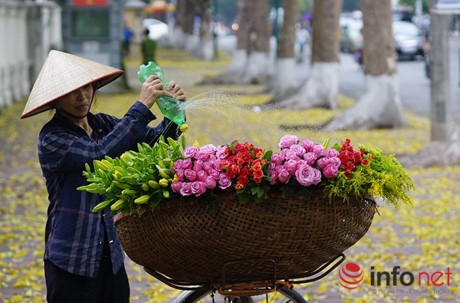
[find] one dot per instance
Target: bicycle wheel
(206, 295)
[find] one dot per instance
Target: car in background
(351, 38)
(158, 30)
(408, 40)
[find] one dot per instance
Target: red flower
(244, 162)
(350, 158)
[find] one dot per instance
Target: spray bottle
(171, 108)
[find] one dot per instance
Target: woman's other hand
(176, 91)
(151, 89)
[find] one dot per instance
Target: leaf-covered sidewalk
(420, 239)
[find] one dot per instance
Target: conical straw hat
(62, 73)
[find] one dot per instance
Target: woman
(83, 257)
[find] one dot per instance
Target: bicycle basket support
(183, 243)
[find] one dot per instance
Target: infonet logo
(350, 275)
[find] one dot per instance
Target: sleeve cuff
(140, 110)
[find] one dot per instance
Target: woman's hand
(176, 91)
(151, 89)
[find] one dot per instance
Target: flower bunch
(200, 170)
(303, 160)
(172, 170)
(246, 164)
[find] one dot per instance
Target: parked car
(408, 40)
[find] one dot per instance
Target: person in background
(127, 37)
(148, 48)
(303, 39)
(83, 258)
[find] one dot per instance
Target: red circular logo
(350, 275)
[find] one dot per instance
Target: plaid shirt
(74, 235)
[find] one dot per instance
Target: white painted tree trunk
(437, 154)
(192, 44)
(284, 79)
(257, 68)
(245, 68)
(207, 50)
(379, 107)
(320, 90)
(177, 38)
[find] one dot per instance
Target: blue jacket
(74, 235)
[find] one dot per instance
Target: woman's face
(78, 102)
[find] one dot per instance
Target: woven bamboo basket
(182, 243)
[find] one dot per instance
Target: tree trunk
(250, 59)
(447, 151)
(191, 40)
(259, 48)
(285, 80)
(205, 46)
(440, 76)
(380, 106)
(437, 154)
(178, 35)
(322, 87)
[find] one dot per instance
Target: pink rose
(290, 155)
(201, 175)
(205, 151)
(297, 149)
(290, 166)
(198, 188)
(220, 153)
(187, 163)
(180, 174)
(276, 159)
(190, 175)
(186, 189)
(330, 171)
(307, 175)
(287, 140)
(310, 158)
(224, 182)
(307, 144)
(197, 165)
(283, 175)
(176, 186)
(332, 152)
(207, 165)
(273, 174)
(190, 151)
(182, 164)
(318, 149)
(215, 174)
(210, 182)
(335, 161)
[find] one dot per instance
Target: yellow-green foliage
(382, 178)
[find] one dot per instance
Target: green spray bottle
(171, 108)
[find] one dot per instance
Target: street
(414, 86)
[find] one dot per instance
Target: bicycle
(256, 291)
